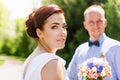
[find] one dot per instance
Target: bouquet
(95, 69)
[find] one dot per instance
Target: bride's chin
(61, 47)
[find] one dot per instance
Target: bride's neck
(47, 47)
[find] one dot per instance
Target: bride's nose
(62, 31)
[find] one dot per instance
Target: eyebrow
(58, 23)
(55, 23)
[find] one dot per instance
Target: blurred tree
(13, 37)
(112, 9)
(4, 22)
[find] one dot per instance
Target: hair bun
(31, 29)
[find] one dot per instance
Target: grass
(19, 58)
(15, 57)
(1, 62)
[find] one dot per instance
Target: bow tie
(96, 43)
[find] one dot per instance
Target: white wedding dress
(35, 66)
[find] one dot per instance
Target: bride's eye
(65, 27)
(54, 27)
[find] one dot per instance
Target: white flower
(84, 74)
(103, 73)
(84, 68)
(94, 69)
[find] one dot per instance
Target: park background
(15, 42)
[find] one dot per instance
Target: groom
(95, 23)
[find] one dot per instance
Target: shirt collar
(101, 39)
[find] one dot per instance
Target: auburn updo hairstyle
(38, 17)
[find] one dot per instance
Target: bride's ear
(39, 33)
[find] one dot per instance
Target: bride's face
(54, 32)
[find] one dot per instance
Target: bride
(47, 24)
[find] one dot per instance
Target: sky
(21, 8)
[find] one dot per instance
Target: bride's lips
(61, 40)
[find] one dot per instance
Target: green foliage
(3, 25)
(22, 45)
(19, 44)
(113, 17)
(13, 37)
(1, 62)
(6, 48)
